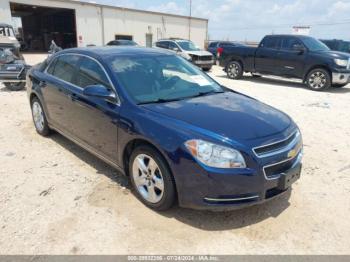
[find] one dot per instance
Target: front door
(291, 58)
(95, 122)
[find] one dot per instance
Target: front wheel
(151, 178)
(15, 86)
(234, 70)
(318, 79)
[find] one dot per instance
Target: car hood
(334, 54)
(199, 53)
(228, 114)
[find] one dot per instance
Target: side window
(290, 42)
(90, 73)
(65, 67)
(162, 44)
(51, 67)
(271, 42)
(227, 45)
(213, 44)
(172, 46)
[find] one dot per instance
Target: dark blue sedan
(179, 135)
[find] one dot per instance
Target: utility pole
(189, 21)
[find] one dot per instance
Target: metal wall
(99, 24)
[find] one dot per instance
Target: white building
(72, 23)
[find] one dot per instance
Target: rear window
(213, 44)
(64, 67)
(271, 42)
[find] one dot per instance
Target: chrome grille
(278, 147)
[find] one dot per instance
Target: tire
(339, 85)
(39, 118)
(15, 86)
(206, 69)
(152, 180)
(234, 70)
(318, 79)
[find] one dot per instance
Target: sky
(250, 20)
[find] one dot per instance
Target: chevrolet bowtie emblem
(292, 153)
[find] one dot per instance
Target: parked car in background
(291, 56)
(338, 45)
(216, 47)
(178, 134)
(188, 50)
(122, 42)
(8, 40)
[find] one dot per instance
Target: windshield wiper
(207, 93)
(159, 101)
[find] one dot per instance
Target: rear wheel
(151, 178)
(234, 70)
(318, 79)
(39, 118)
(15, 86)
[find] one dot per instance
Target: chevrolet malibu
(178, 134)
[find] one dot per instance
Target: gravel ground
(55, 198)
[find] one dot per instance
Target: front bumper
(204, 64)
(273, 165)
(340, 78)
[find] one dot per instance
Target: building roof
(131, 9)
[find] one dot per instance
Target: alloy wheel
(38, 116)
(233, 70)
(148, 178)
(317, 80)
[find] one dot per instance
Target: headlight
(215, 155)
(341, 62)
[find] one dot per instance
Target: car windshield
(187, 45)
(314, 45)
(161, 78)
(127, 42)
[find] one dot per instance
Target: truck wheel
(234, 70)
(318, 79)
(15, 86)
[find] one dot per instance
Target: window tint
(271, 42)
(213, 44)
(172, 45)
(227, 45)
(162, 44)
(290, 42)
(91, 73)
(65, 67)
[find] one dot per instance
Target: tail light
(219, 51)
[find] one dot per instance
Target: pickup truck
(290, 56)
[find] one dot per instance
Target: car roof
(107, 51)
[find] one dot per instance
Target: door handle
(42, 84)
(73, 97)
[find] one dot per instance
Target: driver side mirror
(100, 91)
(176, 49)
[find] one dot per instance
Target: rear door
(266, 55)
(57, 88)
(290, 59)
